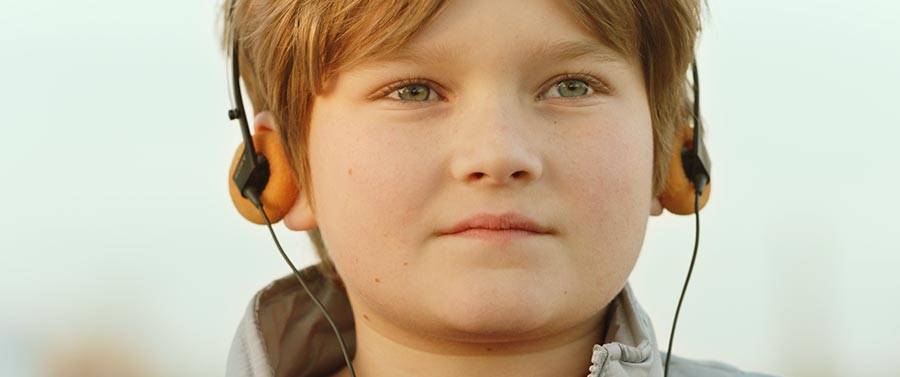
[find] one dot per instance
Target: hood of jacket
(283, 334)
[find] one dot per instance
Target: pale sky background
(116, 230)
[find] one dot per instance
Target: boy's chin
(510, 306)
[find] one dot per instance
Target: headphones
(263, 189)
(268, 173)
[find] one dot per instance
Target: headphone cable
(251, 195)
(697, 194)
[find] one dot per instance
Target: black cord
(251, 194)
(697, 194)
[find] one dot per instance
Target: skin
(494, 135)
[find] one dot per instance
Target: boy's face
(482, 125)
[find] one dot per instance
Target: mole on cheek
(377, 280)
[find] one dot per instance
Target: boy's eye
(569, 88)
(413, 92)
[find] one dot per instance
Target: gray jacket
(283, 334)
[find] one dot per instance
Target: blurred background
(120, 253)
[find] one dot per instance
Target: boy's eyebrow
(564, 50)
(574, 49)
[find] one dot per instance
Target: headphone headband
(252, 171)
(696, 162)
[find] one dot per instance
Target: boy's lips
(508, 222)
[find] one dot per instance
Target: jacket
(283, 334)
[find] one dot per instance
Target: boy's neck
(404, 354)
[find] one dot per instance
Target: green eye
(573, 88)
(414, 92)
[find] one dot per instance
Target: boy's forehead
(538, 29)
(557, 49)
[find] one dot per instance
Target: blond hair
(290, 48)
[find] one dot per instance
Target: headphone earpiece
(279, 193)
(678, 197)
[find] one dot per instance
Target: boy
(476, 177)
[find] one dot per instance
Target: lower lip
(496, 235)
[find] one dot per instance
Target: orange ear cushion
(281, 191)
(678, 196)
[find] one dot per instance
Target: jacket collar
(283, 334)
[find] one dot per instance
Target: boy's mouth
(506, 225)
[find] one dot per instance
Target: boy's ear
(656, 207)
(300, 216)
(281, 191)
(265, 121)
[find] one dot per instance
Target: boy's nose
(496, 145)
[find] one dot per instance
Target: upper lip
(505, 221)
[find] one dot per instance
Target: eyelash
(391, 89)
(597, 86)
